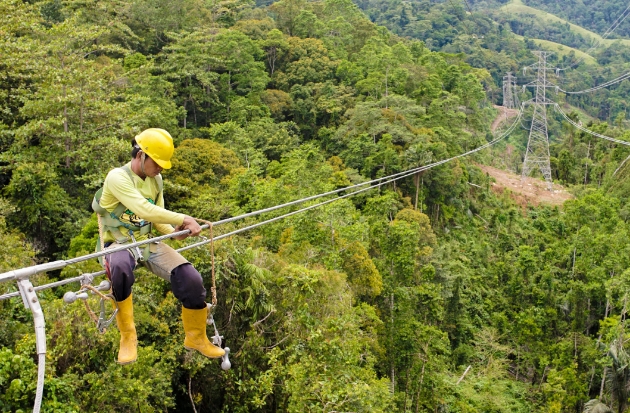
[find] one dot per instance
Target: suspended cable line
(468, 7)
(603, 85)
(459, 18)
(28, 292)
(582, 128)
(607, 33)
(405, 175)
(29, 271)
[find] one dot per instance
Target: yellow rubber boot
(128, 352)
(196, 338)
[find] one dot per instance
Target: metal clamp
(217, 339)
(103, 323)
(140, 257)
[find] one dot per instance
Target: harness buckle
(139, 256)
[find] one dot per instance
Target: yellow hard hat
(158, 144)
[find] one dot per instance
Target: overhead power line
(602, 86)
(468, 7)
(29, 271)
(607, 33)
(583, 129)
(405, 175)
(459, 18)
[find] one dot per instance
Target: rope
(213, 272)
(603, 85)
(101, 295)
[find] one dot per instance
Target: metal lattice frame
(510, 99)
(537, 154)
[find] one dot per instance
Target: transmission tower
(510, 100)
(537, 154)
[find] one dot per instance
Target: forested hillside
(594, 15)
(499, 39)
(432, 294)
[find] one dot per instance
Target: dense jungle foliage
(436, 294)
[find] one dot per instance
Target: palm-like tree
(596, 406)
(618, 375)
(616, 380)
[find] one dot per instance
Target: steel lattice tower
(510, 100)
(537, 154)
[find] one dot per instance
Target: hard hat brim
(163, 164)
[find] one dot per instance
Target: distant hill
(563, 50)
(520, 8)
(594, 15)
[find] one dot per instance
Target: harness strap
(110, 220)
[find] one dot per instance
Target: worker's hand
(189, 224)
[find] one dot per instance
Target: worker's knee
(187, 285)
(120, 270)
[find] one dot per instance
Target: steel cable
(599, 135)
(379, 181)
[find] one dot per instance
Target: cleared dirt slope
(503, 116)
(529, 191)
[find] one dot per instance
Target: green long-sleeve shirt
(139, 196)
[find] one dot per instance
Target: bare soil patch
(504, 115)
(529, 191)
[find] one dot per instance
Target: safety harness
(110, 221)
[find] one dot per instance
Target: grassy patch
(562, 50)
(517, 7)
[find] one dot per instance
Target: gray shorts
(162, 259)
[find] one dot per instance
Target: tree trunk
(424, 363)
(601, 386)
(416, 179)
(393, 371)
(588, 156)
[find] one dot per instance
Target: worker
(130, 206)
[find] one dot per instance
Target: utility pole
(537, 154)
(510, 100)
